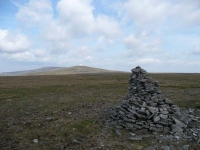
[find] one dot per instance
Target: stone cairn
(146, 108)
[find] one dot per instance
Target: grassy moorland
(62, 111)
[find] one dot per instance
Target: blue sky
(158, 35)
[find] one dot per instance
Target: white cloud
(148, 61)
(24, 56)
(75, 20)
(58, 47)
(193, 63)
(40, 53)
(80, 53)
(83, 50)
(180, 63)
(77, 16)
(174, 62)
(133, 42)
(148, 13)
(88, 58)
(197, 50)
(107, 26)
(142, 44)
(34, 12)
(13, 43)
(187, 12)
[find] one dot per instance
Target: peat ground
(67, 111)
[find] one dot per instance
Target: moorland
(67, 111)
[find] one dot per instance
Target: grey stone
(144, 104)
(35, 141)
(153, 104)
(159, 92)
(186, 147)
(165, 109)
(176, 128)
(191, 110)
(159, 126)
(133, 76)
(152, 109)
(165, 148)
(163, 116)
(130, 115)
(164, 106)
(147, 113)
(122, 113)
(159, 129)
(167, 101)
(141, 111)
(156, 119)
(139, 123)
(162, 123)
(9, 100)
(118, 133)
(118, 126)
(129, 120)
(49, 119)
(194, 119)
(198, 134)
(145, 126)
(155, 129)
(161, 109)
(167, 129)
(152, 125)
(152, 115)
(198, 141)
(137, 126)
(129, 146)
(165, 112)
(150, 148)
(143, 80)
(129, 125)
(161, 103)
(132, 134)
(75, 141)
(179, 123)
(133, 107)
(134, 113)
(136, 70)
(62, 147)
(135, 138)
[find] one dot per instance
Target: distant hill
(57, 71)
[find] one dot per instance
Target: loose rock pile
(145, 107)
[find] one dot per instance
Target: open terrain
(57, 71)
(68, 111)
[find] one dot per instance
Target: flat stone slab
(165, 148)
(156, 119)
(135, 138)
(179, 123)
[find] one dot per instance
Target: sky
(157, 35)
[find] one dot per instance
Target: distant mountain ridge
(57, 71)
